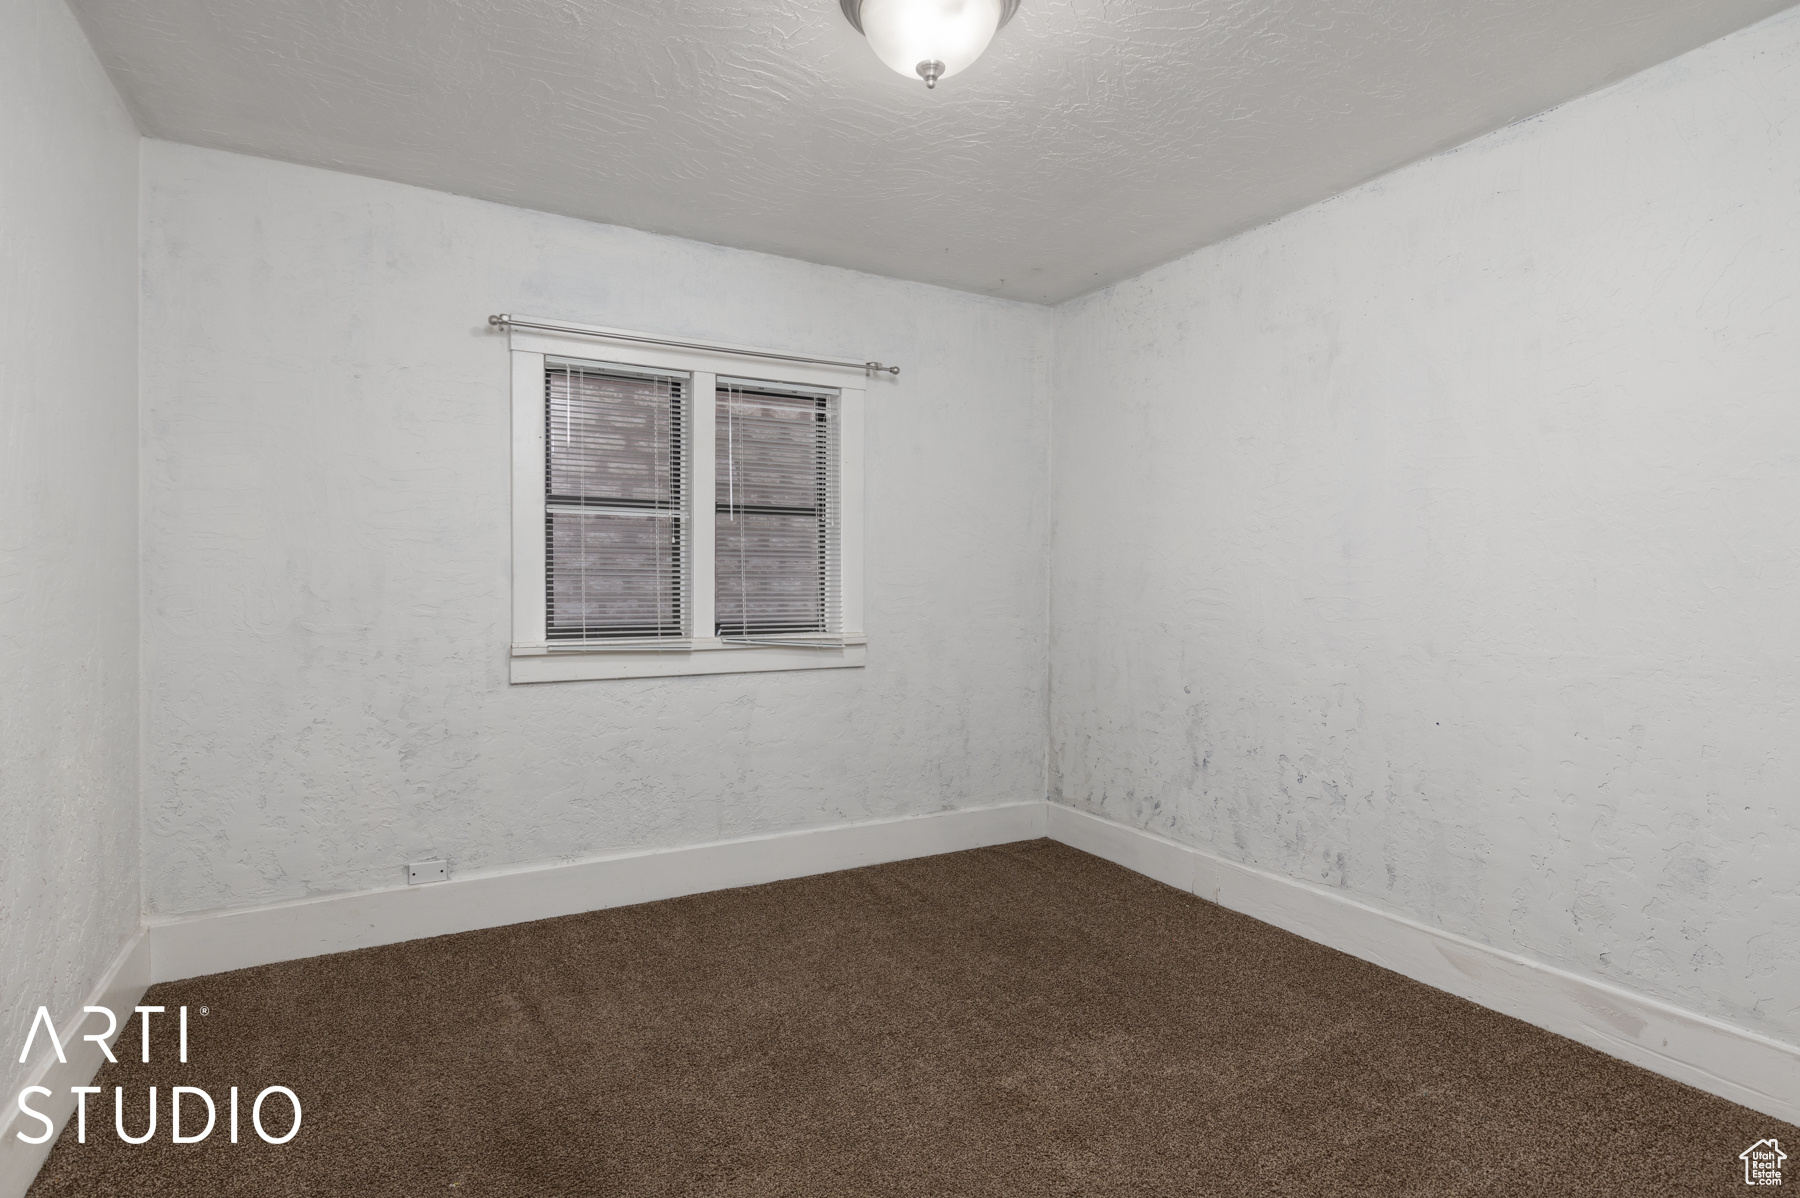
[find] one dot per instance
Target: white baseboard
(192, 946)
(119, 990)
(1708, 1054)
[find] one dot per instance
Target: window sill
(704, 657)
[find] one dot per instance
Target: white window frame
(534, 657)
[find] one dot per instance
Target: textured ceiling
(1095, 139)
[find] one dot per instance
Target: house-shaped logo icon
(1762, 1163)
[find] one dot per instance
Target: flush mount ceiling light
(932, 39)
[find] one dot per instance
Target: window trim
(536, 659)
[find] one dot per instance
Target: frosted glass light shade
(907, 33)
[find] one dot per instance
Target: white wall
(1441, 542)
(326, 539)
(68, 524)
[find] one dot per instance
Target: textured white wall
(1442, 541)
(68, 523)
(326, 539)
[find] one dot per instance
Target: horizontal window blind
(777, 463)
(614, 510)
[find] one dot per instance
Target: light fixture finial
(930, 39)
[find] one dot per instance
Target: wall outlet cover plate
(419, 872)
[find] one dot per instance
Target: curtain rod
(502, 320)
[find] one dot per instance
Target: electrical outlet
(420, 872)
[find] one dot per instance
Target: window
(681, 511)
(776, 503)
(613, 514)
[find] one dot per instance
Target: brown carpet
(1018, 1020)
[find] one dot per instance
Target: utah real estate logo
(1762, 1163)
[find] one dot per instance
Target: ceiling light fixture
(933, 39)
